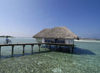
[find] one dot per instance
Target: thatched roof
(57, 32)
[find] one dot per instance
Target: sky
(25, 18)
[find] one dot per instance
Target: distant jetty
(6, 36)
(89, 39)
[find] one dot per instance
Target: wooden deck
(32, 45)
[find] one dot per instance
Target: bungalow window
(59, 41)
(54, 40)
(49, 40)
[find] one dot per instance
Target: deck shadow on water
(19, 55)
(77, 51)
(82, 51)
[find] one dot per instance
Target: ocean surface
(85, 59)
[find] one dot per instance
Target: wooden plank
(12, 54)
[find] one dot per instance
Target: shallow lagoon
(86, 59)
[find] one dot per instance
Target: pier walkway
(32, 45)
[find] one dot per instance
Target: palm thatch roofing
(57, 32)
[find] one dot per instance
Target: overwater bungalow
(56, 35)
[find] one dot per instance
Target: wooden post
(39, 46)
(70, 49)
(0, 51)
(32, 48)
(56, 48)
(45, 47)
(50, 48)
(73, 49)
(12, 54)
(23, 49)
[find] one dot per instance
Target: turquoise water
(85, 59)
